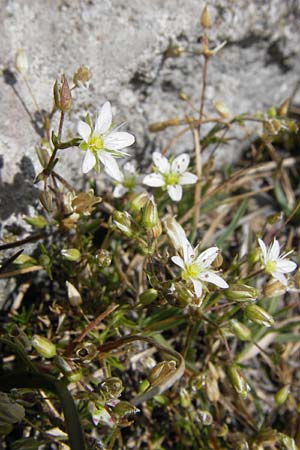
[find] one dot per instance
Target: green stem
(41, 381)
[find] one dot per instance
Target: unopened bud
(46, 199)
(21, 62)
(87, 352)
(73, 295)
(254, 256)
(150, 216)
(62, 95)
(37, 221)
(111, 388)
(138, 202)
(241, 293)
(222, 110)
(124, 409)
(205, 19)
(71, 254)
(43, 156)
(282, 395)
(122, 221)
(274, 288)
(240, 330)
(205, 417)
(43, 346)
(258, 315)
(284, 107)
(161, 371)
(82, 76)
(148, 296)
(238, 381)
(173, 51)
(185, 398)
(104, 257)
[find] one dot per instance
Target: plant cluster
(161, 312)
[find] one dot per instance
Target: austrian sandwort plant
(162, 312)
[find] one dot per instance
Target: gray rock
(123, 44)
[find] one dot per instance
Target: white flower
(196, 268)
(102, 143)
(126, 179)
(274, 263)
(171, 176)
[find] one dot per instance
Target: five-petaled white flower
(274, 263)
(126, 179)
(102, 143)
(171, 176)
(196, 268)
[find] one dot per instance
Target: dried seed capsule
(73, 295)
(238, 381)
(205, 19)
(241, 293)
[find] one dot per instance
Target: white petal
(104, 119)
(89, 161)
(274, 251)
(161, 162)
(206, 258)
(84, 130)
(178, 261)
(212, 277)
(285, 266)
(119, 191)
(188, 178)
(175, 192)
(110, 166)
(118, 140)
(197, 287)
(181, 163)
(130, 167)
(280, 277)
(263, 248)
(177, 235)
(154, 180)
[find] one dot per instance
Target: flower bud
(124, 409)
(258, 315)
(103, 257)
(148, 296)
(111, 388)
(25, 260)
(185, 398)
(161, 371)
(238, 381)
(122, 221)
(240, 330)
(205, 417)
(138, 202)
(82, 76)
(73, 295)
(241, 293)
(71, 254)
(37, 221)
(43, 156)
(282, 395)
(62, 95)
(87, 352)
(150, 216)
(284, 107)
(21, 62)
(43, 346)
(173, 51)
(222, 110)
(44, 260)
(205, 19)
(46, 199)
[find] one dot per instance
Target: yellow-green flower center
(95, 143)
(171, 178)
(270, 266)
(129, 182)
(190, 271)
